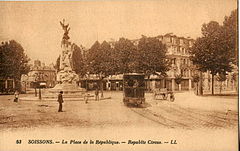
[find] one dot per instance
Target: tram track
(222, 116)
(193, 119)
(215, 119)
(174, 116)
(166, 122)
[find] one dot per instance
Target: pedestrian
(60, 101)
(96, 93)
(16, 95)
(172, 98)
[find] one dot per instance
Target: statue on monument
(65, 35)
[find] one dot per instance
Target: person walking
(60, 101)
(96, 93)
(16, 95)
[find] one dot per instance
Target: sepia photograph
(104, 75)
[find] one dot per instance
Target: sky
(35, 25)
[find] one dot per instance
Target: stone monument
(67, 78)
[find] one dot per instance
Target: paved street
(185, 119)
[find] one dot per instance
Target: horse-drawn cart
(163, 94)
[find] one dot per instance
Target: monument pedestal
(69, 91)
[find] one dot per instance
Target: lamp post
(35, 87)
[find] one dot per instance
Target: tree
(124, 56)
(151, 57)
(107, 61)
(196, 79)
(100, 61)
(221, 78)
(234, 79)
(230, 34)
(92, 58)
(210, 51)
(78, 60)
(57, 65)
(13, 62)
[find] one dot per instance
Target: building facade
(7, 86)
(178, 54)
(39, 72)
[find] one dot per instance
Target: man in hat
(60, 101)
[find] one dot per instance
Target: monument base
(70, 91)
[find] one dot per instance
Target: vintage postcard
(119, 75)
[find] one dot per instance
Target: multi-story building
(39, 72)
(181, 65)
(178, 53)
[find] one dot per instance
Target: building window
(174, 60)
(183, 51)
(187, 73)
(181, 41)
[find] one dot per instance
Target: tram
(133, 89)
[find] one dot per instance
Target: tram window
(135, 83)
(130, 83)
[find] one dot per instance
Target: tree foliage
(101, 60)
(151, 57)
(148, 57)
(125, 56)
(221, 77)
(211, 51)
(13, 61)
(57, 65)
(78, 60)
(230, 34)
(92, 58)
(178, 79)
(196, 78)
